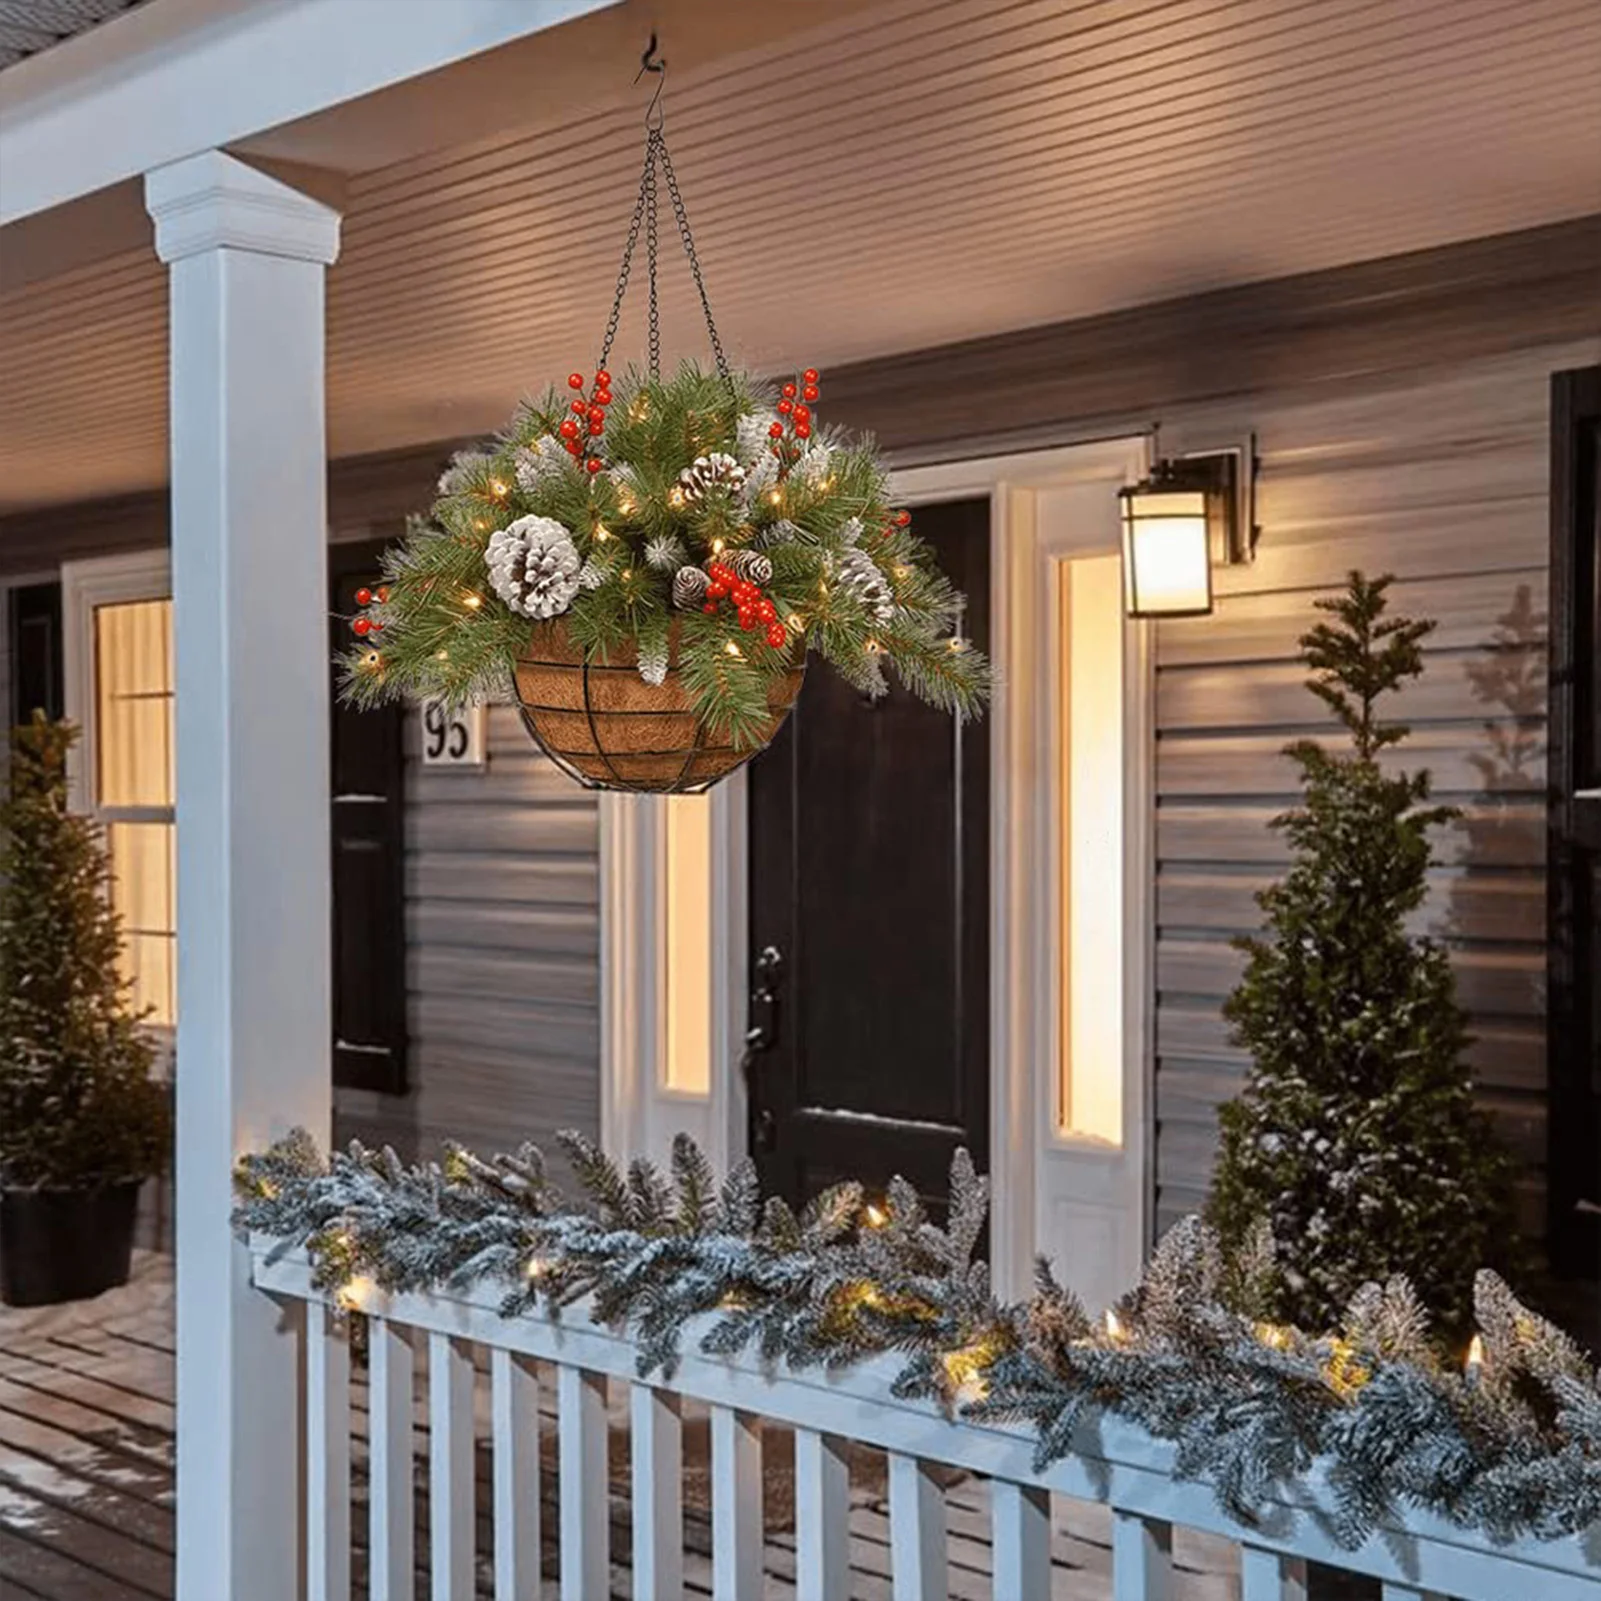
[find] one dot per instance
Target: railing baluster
(1268, 1576)
(916, 1530)
(328, 1455)
(1020, 1517)
(391, 1487)
(585, 1508)
(450, 1467)
(822, 1517)
(736, 1505)
(656, 1455)
(1142, 1558)
(514, 1423)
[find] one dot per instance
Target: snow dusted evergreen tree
(1355, 1143)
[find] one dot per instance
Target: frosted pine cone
(858, 573)
(716, 471)
(533, 566)
(751, 565)
(543, 459)
(689, 588)
(653, 660)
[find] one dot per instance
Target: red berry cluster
(588, 421)
(362, 626)
(795, 403)
(753, 606)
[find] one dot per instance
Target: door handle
(761, 1035)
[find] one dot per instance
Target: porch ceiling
(904, 176)
(29, 26)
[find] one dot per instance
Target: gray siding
(1443, 481)
(503, 968)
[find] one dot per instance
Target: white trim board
(1085, 1203)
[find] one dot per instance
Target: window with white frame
(119, 689)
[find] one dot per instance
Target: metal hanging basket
(600, 721)
(602, 724)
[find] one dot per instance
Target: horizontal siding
(1442, 482)
(503, 966)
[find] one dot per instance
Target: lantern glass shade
(1167, 552)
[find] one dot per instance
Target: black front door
(869, 922)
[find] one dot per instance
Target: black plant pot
(65, 1245)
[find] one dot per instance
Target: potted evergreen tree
(1356, 1146)
(82, 1120)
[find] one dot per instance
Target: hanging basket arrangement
(645, 565)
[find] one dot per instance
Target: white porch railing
(1121, 1466)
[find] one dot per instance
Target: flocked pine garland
(1510, 1445)
(710, 516)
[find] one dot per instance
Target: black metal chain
(645, 211)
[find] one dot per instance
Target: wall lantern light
(1191, 512)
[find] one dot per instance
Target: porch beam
(247, 257)
(179, 79)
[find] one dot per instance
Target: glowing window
(133, 788)
(688, 957)
(1091, 787)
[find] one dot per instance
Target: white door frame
(1043, 1170)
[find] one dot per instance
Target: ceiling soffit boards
(901, 177)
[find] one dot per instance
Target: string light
(536, 1269)
(472, 600)
(775, 496)
(602, 532)
(795, 622)
(733, 649)
(479, 524)
(874, 1216)
(1115, 1331)
(442, 655)
(873, 648)
(355, 1292)
(965, 1371)
(1474, 1366)
(675, 496)
(625, 503)
(497, 488)
(717, 547)
(902, 570)
(955, 645)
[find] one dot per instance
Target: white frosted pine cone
(534, 566)
(689, 588)
(753, 436)
(751, 565)
(464, 466)
(716, 471)
(543, 459)
(653, 660)
(859, 573)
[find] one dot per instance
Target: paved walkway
(87, 1500)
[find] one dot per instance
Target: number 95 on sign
(452, 738)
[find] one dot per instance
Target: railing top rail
(1114, 1461)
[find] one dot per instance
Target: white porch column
(249, 565)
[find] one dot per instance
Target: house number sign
(452, 738)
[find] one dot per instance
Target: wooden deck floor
(87, 1499)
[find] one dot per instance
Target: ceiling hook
(651, 62)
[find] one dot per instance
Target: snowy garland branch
(1510, 1445)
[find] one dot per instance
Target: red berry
(569, 428)
(776, 431)
(766, 611)
(594, 464)
(809, 392)
(809, 376)
(361, 627)
(573, 447)
(710, 605)
(715, 592)
(744, 593)
(803, 430)
(597, 425)
(902, 518)
(776, 636)
(803, 414)
(602, 378)
(596, 414)
(603, 397)
(747, 620)
(377, 625)
(383, 593)
(575, 380)
(581, 408)
(788, 391)
(364, 597)
(785, 407)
